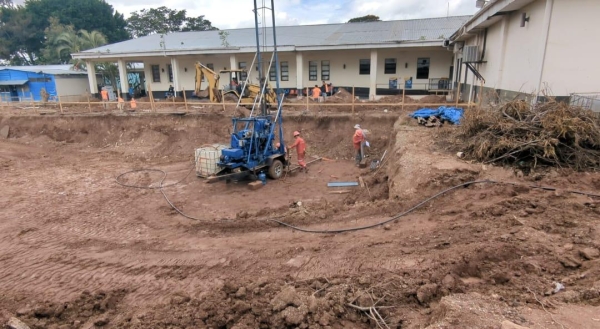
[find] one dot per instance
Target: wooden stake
(151, 99)
(223, 100)
(307, 98)
(403, 97)
(353, 98)
(185, 99)
(89, 105)
(59, 103)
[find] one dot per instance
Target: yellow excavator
(232, 90)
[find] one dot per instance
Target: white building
(363, 55)
(527, 46)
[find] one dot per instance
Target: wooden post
(403, 97)
(457, 94)
(353, 98)
(307, 98)
(185, 100)
(59, 103)
(89, 105)
(151, 97)
(223, 100)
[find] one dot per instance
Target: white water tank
(206, 159)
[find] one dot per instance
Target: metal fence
(590, 101)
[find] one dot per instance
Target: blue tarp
(452, 114)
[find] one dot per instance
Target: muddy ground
(77, 250)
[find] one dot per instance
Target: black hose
(353, 229)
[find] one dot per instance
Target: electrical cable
(342, 230)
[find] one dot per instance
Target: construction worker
(104, 94)
(316, 93)
(120, 103)
(300, 146)
(325, 88)
(133, 103)
(358, 140)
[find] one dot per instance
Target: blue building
(19, 83)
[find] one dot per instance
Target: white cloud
(238, 13)
(227, 14)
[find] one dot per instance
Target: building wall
(572, 53)
(71, 85)
(34, 85)
(344, 67)
(514, 68)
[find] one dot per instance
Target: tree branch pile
(516, 133)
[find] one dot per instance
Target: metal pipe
(260, 77)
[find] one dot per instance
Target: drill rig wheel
(276, 169)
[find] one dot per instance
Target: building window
(39, 79)
(170, 67)
(243, 75)
(273, 74)
(423, 68)
(390, 66)
(364, 66)
(312, 71)
(285, 71)
(155, 73)
(325, 70)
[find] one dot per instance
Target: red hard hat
(296, 133)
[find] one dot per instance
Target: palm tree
(70, 42)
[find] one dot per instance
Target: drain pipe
(546, 31)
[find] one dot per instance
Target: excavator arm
(212, 90)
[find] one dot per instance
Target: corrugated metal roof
(429, 29)
(13, 82)
(48, 69)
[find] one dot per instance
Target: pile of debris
(520, 134)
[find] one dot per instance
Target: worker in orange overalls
(316, 93)
(358, 141)
(104, 94)
(133, 103)
(300, 146)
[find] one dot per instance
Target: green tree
(198, 24)
(164, 20)
(18, 37)
(81, 14)
(367, 18)
(50, 55)
(70, 42)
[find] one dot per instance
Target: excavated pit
(80, 251)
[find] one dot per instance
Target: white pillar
(299, 71)
(123, 76)
(373, 84)
(175, 69)
(233, 63)
(91, 72)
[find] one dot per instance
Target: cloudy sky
(226, 14)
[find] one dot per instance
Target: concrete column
(299, 71)
(91, 71)
(175, 69)
(373, 82)
(123, 77)
(233, 63)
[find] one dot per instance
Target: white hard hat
(357, 126)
